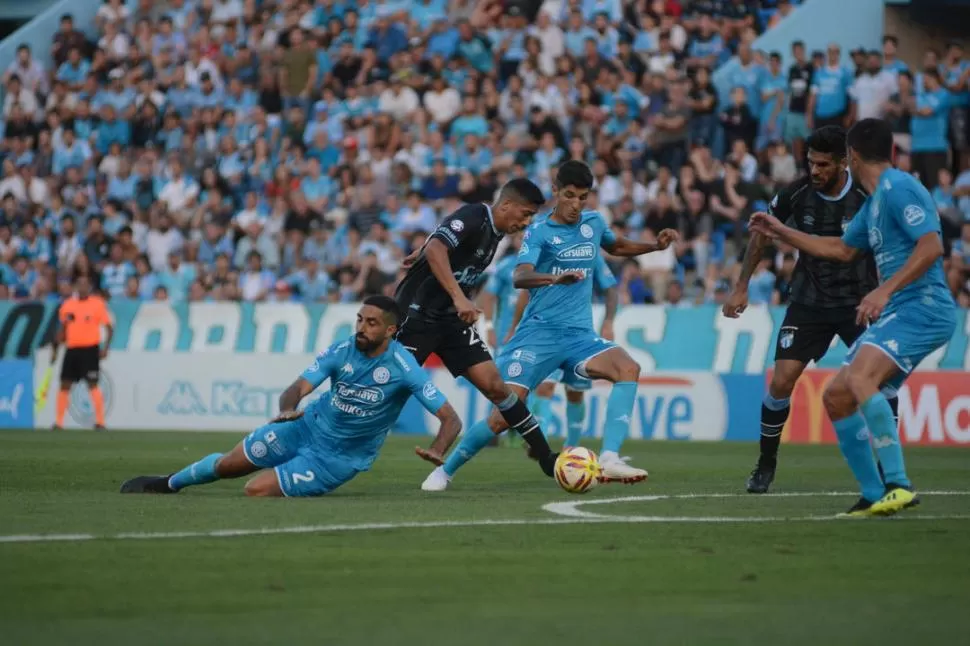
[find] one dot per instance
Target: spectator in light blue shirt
(112, 130)
(177, 277)
(928, 127)
(316, 186)
(474, 157)
(828, 103)
(74, 71)
(116, 272)
(71, 152)
(470, 122)
(748, 75)
(773, 86)
(443, 40)
(607, 38)
(610, 9)
(310, 283)
(577, 33)
(475, 49)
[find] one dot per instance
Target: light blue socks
(474, 440)
(885, 438)
(619, 412)
(541, 409)
(854, 442)
(201, 472)
(575, 416)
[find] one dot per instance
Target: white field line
(569, 510)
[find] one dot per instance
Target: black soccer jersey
(817, 282)
(471, 238)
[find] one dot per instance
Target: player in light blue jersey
(556, 263)
(910, 315)
(312, 452)
(575, 386)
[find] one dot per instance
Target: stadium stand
(288, 150)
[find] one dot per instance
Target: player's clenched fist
(466, 310)
(765, 224)
(736, 303)
(666, 238)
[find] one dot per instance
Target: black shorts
(82, 364)
(807, 332)
(459, 346)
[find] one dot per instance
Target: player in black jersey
(824, 294)
(437, 292)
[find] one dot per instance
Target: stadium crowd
(287, 150)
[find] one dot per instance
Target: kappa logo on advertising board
(181, 399)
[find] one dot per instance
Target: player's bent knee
(627, 370)
(546, 389)
(265, 485)
(575, 396)
(837, 399)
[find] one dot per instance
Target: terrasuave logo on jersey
(577, 252)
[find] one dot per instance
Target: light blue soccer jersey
(366, 397)
(890, 222)
(555, 248)
(500, 286)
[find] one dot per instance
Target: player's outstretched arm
(520, 304)
(738, 300)
(626, 248)
(830, 247)
(447, 434)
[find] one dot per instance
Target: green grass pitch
(360, 577)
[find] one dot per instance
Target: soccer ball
(577, 469)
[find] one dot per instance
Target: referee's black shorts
(457, 344)
(82, 364)
(807, 332)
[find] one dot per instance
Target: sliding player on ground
(312, 452)
(82, 317)
(436, 295)
(556, 261)
(824, 293)
(910, 314)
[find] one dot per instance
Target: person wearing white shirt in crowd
(607, 187)
(197, 66)
(162, 241)
(30, 71)
(745, 161)
(255, 282)
(664, 181)
(550, 38)
(873, 88)
(442, 101)
(19, 95)
(180, 189)
(399, 100)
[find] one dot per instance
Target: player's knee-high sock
(97, 400)
(63, 398)
(520, 420)
(575, 416)
(474, 440)
(619, 411)
(854, 442)
(885, 437)
(541, 408)
(774, 414)
(201, 472)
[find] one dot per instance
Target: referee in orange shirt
(82, 317)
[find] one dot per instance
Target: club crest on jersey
(914, 215)
(524, 249)
(577, 252)
(586, 231)
(457, 226)
(429, 391)
(875, 238)
(381, 375)
(514, 369)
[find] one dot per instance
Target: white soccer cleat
(437, 480)
(615, 469)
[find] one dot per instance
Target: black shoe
(761, 478)
(861, 509)
(100, 427)
(547, 463)
(147, 484)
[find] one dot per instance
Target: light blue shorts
(796, 127)
(571, 380)
(907, 336)
(305, 464)
(532, 355)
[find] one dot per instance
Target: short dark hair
(387, 305)
(889, 38)
(574, 173)
(522, 191)
(829, 140)
(872, 140)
